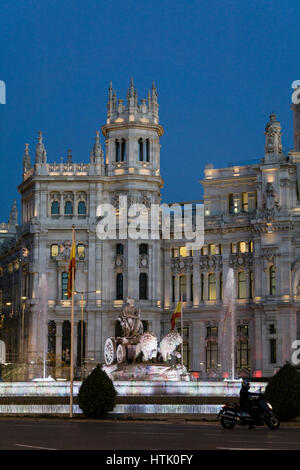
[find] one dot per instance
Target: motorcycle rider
(245, 401)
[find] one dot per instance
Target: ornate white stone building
(252, 224)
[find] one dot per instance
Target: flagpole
(72, 331)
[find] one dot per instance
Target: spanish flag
(176, 314)
(71, 268)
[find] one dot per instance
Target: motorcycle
(261, 413)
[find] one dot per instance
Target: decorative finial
(69, 157)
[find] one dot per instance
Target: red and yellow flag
(71, 268)
(176, 314)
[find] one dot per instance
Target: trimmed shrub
(97, 394)
(283, 392)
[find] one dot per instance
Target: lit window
(245, 202)
(183, 251)
(212, 287)
(243, 247)
(212, 249)
(81, 251)
(54, 251)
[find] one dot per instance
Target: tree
(283, 392)
(97, 394)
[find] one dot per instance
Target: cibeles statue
(130, 320)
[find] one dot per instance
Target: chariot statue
(130, 320)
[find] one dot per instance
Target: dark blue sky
(221, 67)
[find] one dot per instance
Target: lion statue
(147, 345)
(169, 344)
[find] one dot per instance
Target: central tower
(132, 168)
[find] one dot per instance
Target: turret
(132, 133)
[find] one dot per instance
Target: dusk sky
(221, 68)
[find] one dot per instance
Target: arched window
(242, 290)
(117, 151)
(68, 208)
(272, 280)
(212, 286)
(51, 343)
(141, 150)
(143, 284)
(81, 208)
(182, 288)
(66, 343)
(55, 208)
(123, 148)
(148, 150)
(119, 286)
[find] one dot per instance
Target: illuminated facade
(252, 224)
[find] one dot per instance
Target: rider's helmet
(246, 384)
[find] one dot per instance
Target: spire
(97, 152)
(40, 153)
(154, 92)
(69, 157)
(131, 95)
(13, 216)
(273, 146)
(26, 159)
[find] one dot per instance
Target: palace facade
(252, 224)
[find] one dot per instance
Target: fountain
(42, 329)
(228, 327)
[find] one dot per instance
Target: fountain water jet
(228, 326)
(42, 312)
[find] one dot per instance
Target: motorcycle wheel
(272, 422)
(227, 424)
